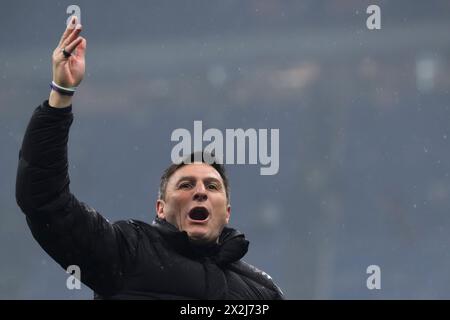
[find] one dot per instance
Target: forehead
(198, 170)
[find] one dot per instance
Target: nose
(200, 193)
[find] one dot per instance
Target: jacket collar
(231, 247)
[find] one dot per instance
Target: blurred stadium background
(363, 118)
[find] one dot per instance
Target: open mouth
(199, 214)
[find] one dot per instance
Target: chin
(199, 238)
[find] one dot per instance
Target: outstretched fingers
(72, 37)
(70, 27)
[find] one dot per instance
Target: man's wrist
(57, 100)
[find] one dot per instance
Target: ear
(228, 213)
(160, 204)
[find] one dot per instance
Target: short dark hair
(198, 156)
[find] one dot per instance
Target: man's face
(195, 202)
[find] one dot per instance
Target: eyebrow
(192, 178)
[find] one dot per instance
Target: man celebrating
(188, 252)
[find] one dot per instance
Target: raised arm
(69, 230)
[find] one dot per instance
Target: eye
(213, 186)
(185, 185)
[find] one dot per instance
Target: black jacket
(126, 259)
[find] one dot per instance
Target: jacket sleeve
(70, 231)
